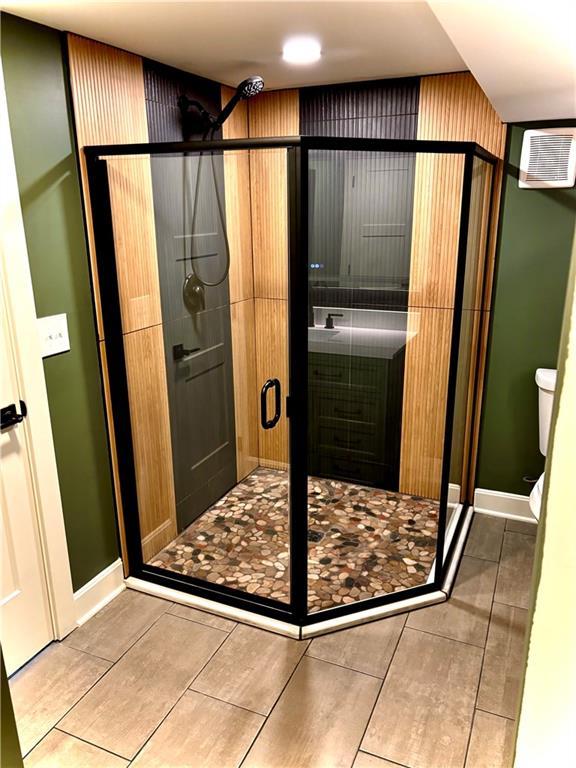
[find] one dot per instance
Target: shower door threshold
(319, 627)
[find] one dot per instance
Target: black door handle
(9, 416)
(179, 351)
(264, 420)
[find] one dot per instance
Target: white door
(25, 620)
(30, 571)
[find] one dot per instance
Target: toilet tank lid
(546, 379)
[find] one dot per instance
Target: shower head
(250, 87)
(247, 88)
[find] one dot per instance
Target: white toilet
(546, 381)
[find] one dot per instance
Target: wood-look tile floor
(150, 683)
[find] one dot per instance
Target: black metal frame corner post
(298, 367)
(441, 564)
(100, 206)
(485, 315)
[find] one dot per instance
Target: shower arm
(184, 103)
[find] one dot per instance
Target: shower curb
(320, 627)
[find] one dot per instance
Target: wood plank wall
(452, 107)
(109, 108)
(241, 282)
(274, 113)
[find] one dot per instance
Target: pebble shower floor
(362, 542)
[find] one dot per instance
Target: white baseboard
(500, 504)
(453, 494)
(105, 586)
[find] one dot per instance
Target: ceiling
(522, 52)
(227, 41)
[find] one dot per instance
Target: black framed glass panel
(291, 332)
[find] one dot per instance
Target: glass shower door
(200, 254)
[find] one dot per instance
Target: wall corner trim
(501, 504)
(99, 591)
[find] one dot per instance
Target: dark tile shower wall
(162, 87)
(381, 109)
(378, 109)
(200, 389)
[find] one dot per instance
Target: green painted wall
(51, 206)
(533, 259)
(10, 756)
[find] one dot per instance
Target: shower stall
(292, 342)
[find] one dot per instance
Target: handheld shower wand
(193, 291)
(247, 88)
(209, 123)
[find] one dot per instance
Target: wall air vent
(548, 159)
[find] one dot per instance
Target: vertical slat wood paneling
(274, 113)
(435, 229)
(451, 107)
(239, 224)
(108, 97)
(454, 108)
(245, 385)
(236, 127)
(132, 206)
(109, 108)
(238, 213)
(424, 409)
(148, 397)
(241, 281)
(113, 454)
(269, 195)
(271, 114)
(272, 363)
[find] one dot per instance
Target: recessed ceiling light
(301, 50)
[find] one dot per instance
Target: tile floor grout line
(475, 557)
(85, 741)
(89, 653)
(501, 546)
(145, 632)
(522, 533)
(475, 707)
(393, 762)
(487, 712)
(229, 703)
(369, 718)
(511, 605)
(343, 666)
(201, 623)
(156, 620)
(453, 639)
(256, 735)
(184, 692)
(266, 717)
(112, 665)
(55, 725)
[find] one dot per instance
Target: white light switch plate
(53, 332)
